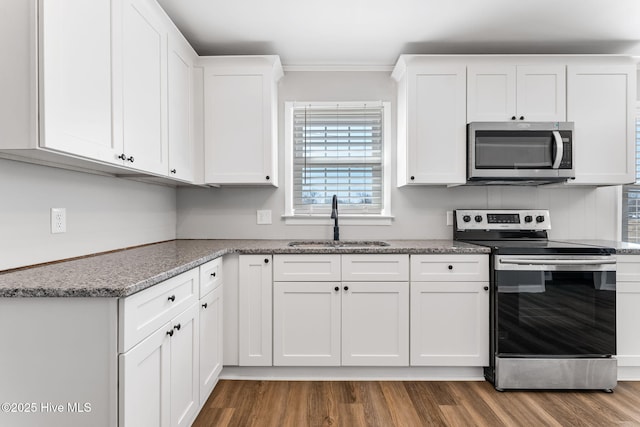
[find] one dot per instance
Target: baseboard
(352, 373)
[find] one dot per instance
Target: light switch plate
(263, 217)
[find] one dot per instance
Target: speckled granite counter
(126, 272)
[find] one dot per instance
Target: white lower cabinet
(449, 324)
(628, 315)
(210, 342)
(170, 348)
(449, 317)
(306, 323)
(375, 324)
(254, 310)
(159, 377)
(348, 323)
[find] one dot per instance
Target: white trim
(335, 68)
(354, 373)
(344, 220)
(384, 218)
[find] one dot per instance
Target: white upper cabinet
(180, 107)
(431, 122)
(75, 70)
(531, 93)
(240, 115)
(88, 87)
(140, 73)
(601, 102)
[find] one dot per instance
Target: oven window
(556, 313)
(514, 150)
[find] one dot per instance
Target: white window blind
(631, 199)
(338, 150)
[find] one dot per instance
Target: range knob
(466, 218)
(478, 218)
(540, 218)
(528, 218)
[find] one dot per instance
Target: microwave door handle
(559, 149)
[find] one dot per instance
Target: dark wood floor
(412, 403)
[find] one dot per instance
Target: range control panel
(502, 219)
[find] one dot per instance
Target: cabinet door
(255, 308)
(210, 342)
(436, 126)
(236, 139)
(601, 104)
(491, 93)
(142, 82)
(145, 383)
(442, 336)
(76, 78)
(627, 321)
(541, 93)
(179, 107)
(306, 323)
(185, 384)
(375, 323)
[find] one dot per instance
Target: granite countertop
(125, 272)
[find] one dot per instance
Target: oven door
(550, 306)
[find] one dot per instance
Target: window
(337, 149)
(631, 198)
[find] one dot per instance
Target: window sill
(345, 219)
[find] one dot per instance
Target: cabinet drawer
(306, 268)
(210, 276)
(142, 313)
(628, 268)
(450, 268)
(365, 267)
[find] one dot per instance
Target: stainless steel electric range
(552, 305)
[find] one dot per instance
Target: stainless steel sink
(338, 243)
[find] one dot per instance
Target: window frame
(624, 232)
(382, 218)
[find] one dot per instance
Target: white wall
(420, 212)
(103, 213)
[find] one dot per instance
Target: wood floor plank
(297, 405)
(412, 403)
(399, 403)
(473, 395)
(376, 411)
(427, 397)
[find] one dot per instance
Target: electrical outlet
(263, 217)
(58, 220)
(449, 217)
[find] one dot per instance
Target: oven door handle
(546, 261)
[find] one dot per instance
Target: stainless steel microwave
(520, 152)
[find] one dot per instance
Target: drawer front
(306, 268)
(628, 268)
(210, 276)
(370, 268)
(143, 313)
(449, 268)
